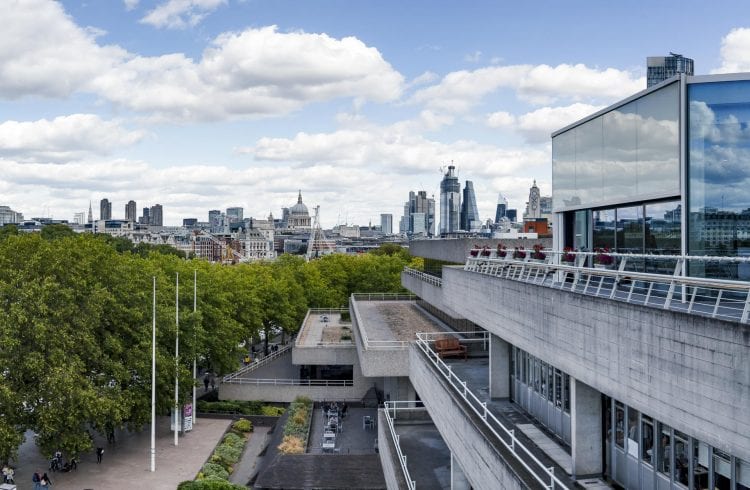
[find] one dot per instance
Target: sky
(209, 104)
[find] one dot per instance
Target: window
(566, 393)
(633, 439)
(550, 382)
(619, 424)
(742, 474)
(558, 388)
(722, 470)
(681, 461)
(700, 470)
(664, 454)
(647, 439)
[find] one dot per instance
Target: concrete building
(450, 202)
(7, 216)
(131, 213)
(419, 215)
(661, 68)
(105, 209)
(386, 224)
(235, 214)
(156, 216)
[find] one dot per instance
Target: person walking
(36, 479)
(99, 454)
(206, 380)
(45, 481)
(213, 382)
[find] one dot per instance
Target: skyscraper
(157, 216)
(469, 213)
(659, 68)
(450, 202)
(130, 211)
(418, 204)
(146, 218)
(105, 209)
(386, 224)
(235, 214)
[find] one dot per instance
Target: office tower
(450, 202)
(469, 213)
(157, 217)
(146, 218)
(419, 203)
(235, 214)
(105, 209)
(130, 211)
(502, 208)
(189, 222)
(660, 68)
(386, 224)
(512, 215)
(7, 215)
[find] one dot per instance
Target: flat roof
(324, 327)
(394, 320)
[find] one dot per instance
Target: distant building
(8, 216)
(512, 215)
(105, 209)
(450, 202)
(386, 224)
(419, 215)
(299, 217)
(157, 215)
(660, 68)
(190, 222)
(533, 209)
(130, 211)
(469, 213)
(502, 208)
(235, 214)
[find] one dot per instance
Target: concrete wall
(428, 292)
(482, 463)
(342, 355)
(394, 475)
(689, 371)
(378, 362)
(457, 250)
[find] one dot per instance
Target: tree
(55, 231)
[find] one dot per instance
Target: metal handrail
(255, 365)
(291, 382)
(540, 472)
(394, 405)
(423, 276)
(384, 297)
(716, 298)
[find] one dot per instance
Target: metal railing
(543, 474)
(423, 276)
(368, 344)
(474, 337)
(291, 382)
(716, 298)
(383, 297)
(394, 406)
(257, 364)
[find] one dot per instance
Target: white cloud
(459, 91)
(538, 125)
(64, 138)
(43, 52)
(180, 14)
(473, 57)
(735, 51)
(501, 119)
(130, 4)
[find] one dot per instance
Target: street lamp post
(153, 383)
(195, 347)
(176, 358)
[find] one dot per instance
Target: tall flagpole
(176, 357)
(153, 384)
(195, 309)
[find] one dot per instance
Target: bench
(450, 347)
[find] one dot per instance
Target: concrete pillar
(499, 367)
(458, 478)
(585, 429)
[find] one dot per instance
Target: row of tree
(76, 316)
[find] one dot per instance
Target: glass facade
(719, 172)
(628, 154)
(644, 453)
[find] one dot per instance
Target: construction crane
(317, 245)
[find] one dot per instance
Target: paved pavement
(246, 466)
(127, 462)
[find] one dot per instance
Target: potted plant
(501, 251)
(568, 255)
(537, 254)
(603, 259)
(485, 251)
(474, 251)
(519, 253)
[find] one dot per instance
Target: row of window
(545, 379)
(685, 460)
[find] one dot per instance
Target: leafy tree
(8, 230)
(55, 231)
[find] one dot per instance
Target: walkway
(246, 466)
(126, 463)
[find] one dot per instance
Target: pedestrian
(36, 478)
(45, 481)
(213, 382)
(206, 380)
(74, 463)
(5, 473)
(10, 477)
(99, 454)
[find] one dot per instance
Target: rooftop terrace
(325, 328)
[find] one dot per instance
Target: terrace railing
(377, 344)
(423, 276)
(257, 364)
(390, 409)
(291, 382)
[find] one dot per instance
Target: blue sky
(205, 104)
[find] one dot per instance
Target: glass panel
(608, 419)
(664, 454)
(619, 424)
(543, 377)
(588, 147)
(722, 470)
(604, 229)
(681, 461)
(633, 448)
(566, 392)
(550, 381)
(558, 388)
(700, 465)
(719, 174)
(536, 375)
(742, 474)
(564, 170)
(658, 167)
(581, 230)
(620, 154)
(647, 439)
(630, 230)
(662, 233)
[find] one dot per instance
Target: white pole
(176, 356)
(153, 384)
(195, 371)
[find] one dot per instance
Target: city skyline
(135, 100)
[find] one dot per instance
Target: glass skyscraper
(450, 202)
(469, 213)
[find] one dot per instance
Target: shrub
(271, 411)
(226, 455)
(215, 470)
(291, 445)
(243, 425)
(209, 484)
(233, 440)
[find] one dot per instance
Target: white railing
(394, 406)
(291, 382)
(257, 364)
(368, 344)
(543, 474)
(423, 276)
(716, 298)
(474, 337)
